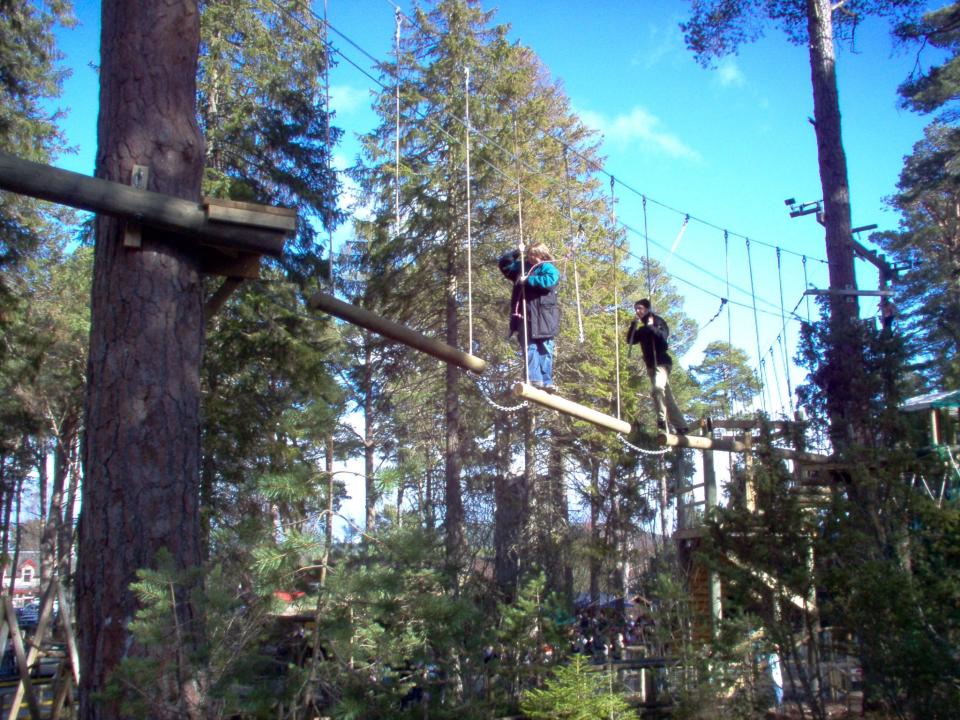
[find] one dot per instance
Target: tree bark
(141, 450)
(846, 361)
(454, 523)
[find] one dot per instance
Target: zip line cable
(570, 148)
(599, 169)
(602, 171)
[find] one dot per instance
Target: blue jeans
(539, 361)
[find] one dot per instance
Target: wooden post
(389, 329)
(567, 407)
(712, 499)
(26, 685)
(749, 491)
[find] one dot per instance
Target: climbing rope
(326, 101)
(578, 235)
(466, 126)
(646, 238)
(396, 139)
(783, 324)
(756, 326)
(616, 296)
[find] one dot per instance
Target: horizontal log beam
(387, 328)
(568, 407)
(169, 213)
(750, 424)
(700, 442)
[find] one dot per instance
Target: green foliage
(938, 87)
(725, 379)
(573, 691)
(263, 112)
(717, 28)
(928, 251)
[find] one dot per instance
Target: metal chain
(630, 445)
(496, 406)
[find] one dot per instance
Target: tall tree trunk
(65, 533)
(141, 449)
(845, 364)
(47, 551)
(510, 501)
(65, 439)
(454, 523)
(595, 505)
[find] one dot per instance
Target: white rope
(523, 295)
(396, 167)
(616, 295)
(683, 229)
(466, 85)
(326, 93)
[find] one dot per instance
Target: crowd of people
(606, 633)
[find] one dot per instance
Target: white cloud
(639, 127)
(345, 99)
(729, 73)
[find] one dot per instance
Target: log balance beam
(554, 402)
(700, 442)
(169, 213)
(364, 318)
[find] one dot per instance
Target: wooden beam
(699, 442)
(244, 213)
(750, 423)
(219, 298)
(568, 407)
(389, 329)
(143, 206)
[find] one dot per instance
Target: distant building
(26, 586)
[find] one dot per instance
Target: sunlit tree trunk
(141, 449)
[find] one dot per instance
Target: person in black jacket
(651, 332)
(534, 297)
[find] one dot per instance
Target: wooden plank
(65, 618)
(252, 207)
(371, 321)
(567, 407)
(238, 213)
(25, 687)
(750, 424)
(169, 213)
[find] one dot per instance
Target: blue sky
(725, 146)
